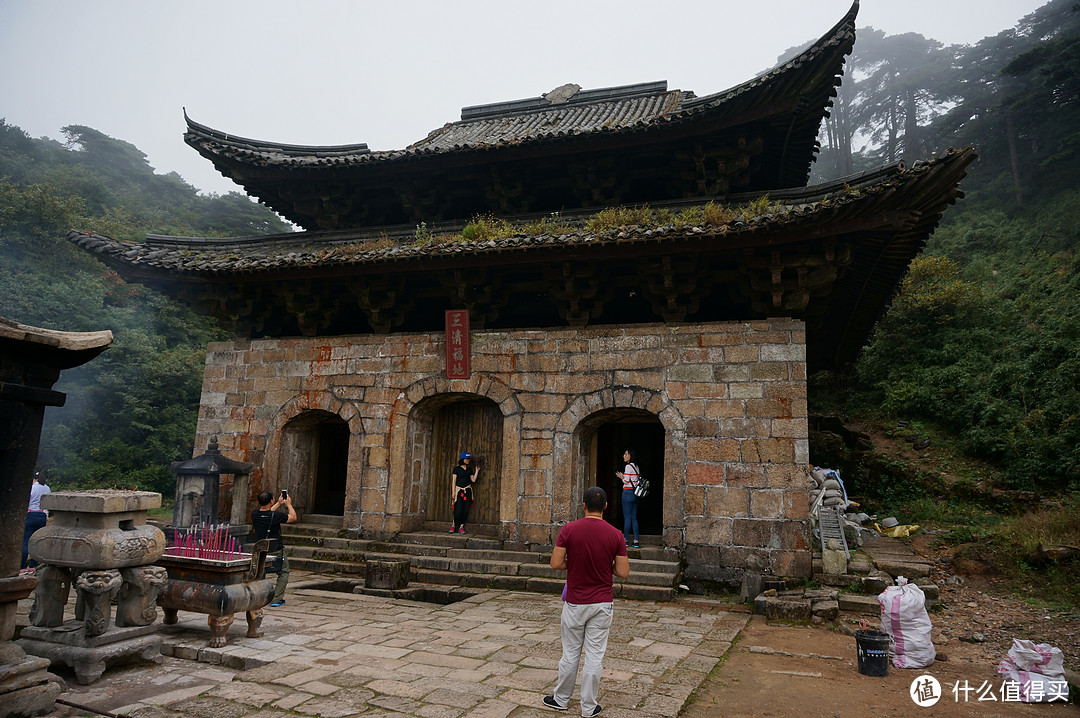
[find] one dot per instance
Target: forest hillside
(133, 409)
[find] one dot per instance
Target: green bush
(990, 350)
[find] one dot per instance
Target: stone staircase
(318, 544)
(852, 595)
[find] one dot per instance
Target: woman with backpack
(629, 475)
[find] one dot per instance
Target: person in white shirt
(35, 519)
(629, 476)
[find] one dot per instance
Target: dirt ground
(786, 670)
(813, 673)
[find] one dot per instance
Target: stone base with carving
(88, 656)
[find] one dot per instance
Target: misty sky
(389, 72)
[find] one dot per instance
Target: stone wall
(731, 398)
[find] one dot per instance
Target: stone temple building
(663, 279)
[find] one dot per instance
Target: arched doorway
(642, 432)
(465, 423)
(314, 462)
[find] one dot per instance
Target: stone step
(468, 560)
(908, 568)
(323, 520)
(638, 577)
(653, 552)
(650, 566)
(298, 533)
(474, 529)
(524, 558)
(365, 545)
(651, 546)
(535, 584)
(432, 538)
(649, 573)
(301, 563)
(659, 562)
(362, 545)
(638, 592)
(538, 584)
(299, 529)
(860, 604)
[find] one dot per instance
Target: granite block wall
(731, 398)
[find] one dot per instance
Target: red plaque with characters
(457, 344)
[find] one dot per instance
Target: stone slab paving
(337, 655)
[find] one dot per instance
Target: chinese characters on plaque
(457, 344)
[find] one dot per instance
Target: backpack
(641, 486)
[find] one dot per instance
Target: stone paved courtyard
(333, 654)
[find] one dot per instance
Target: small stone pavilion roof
(568, 149)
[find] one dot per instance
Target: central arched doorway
(473, 425)
(615, 431)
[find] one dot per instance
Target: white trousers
(584, 628)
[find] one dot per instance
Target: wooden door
(476, 427)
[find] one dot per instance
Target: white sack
(1038, 668)
(904, 618)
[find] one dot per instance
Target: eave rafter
(385, 302)
(579, 291)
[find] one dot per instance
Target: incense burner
(218, 588)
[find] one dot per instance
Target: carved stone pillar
(137, 601)
(95, 591)
(51, 596)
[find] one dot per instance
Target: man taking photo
(266, 523)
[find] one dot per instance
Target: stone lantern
(198, 482)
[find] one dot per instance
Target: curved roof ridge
(258, 145)
(843, 30)
(456, 135)
(578, 97)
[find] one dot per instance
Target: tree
(1011, 95)
(989, 348)
(893, 86)
(133, 409)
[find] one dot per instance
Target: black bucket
(873, 652)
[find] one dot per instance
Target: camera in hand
(284, 493)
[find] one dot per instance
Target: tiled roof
(554, 121)
(234, 256)
(613, 109)
(794, 94)
(832, 254)
(482, 129)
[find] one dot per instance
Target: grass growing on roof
(486, 228)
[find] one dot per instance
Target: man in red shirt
(590, 550)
